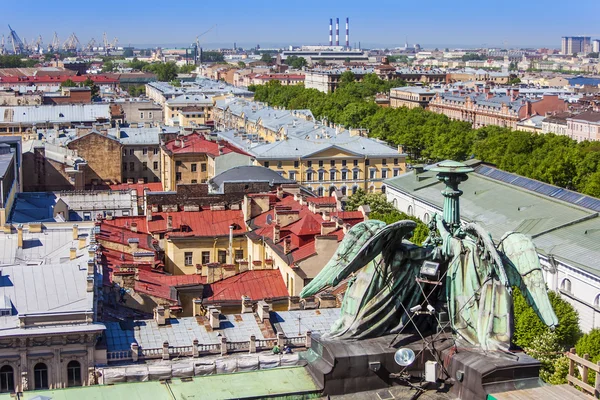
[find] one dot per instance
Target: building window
(332, 163)
(124, 166)
(355, 175)
(194, 167)
(396, 172)
(7, 379)
(292, 175)
(367, 162)
(596, 304)
(144, 166)
(320, 192)
(239, 254)
(383, 189)
(279, 164)
(203, 167)
(354, 189)
(321, 176)
(87, 216)
(296, 164)
(566, 285)
(344, 175)
(309, 176)
(266, 164)
(124, 152)
(395, 161)
(222, 257)
(189, 258)
(426, 218)
(40, 376)
(178, 176)
(344, 163)
(355, 162)
(132, 166)
(205, 257)
(141, 115)
(73, 374)
(384, 173)
(309, 164)
(410, 211)
(155, 165)
(344, 190)
(320, 163)
(145, 151)
(178, 163)
(194, 180)
(155, 151)
(332, 175)
(372, 174)
(383, 161)
(150, 115)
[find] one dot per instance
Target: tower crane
(71, 43)
(17, 43)
(55, 45)
(91, 44)
(198, 55)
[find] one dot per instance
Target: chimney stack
(331, 31)
(170, 223)
(75, 231)
(73, 253)
(347, 33)
(337, 31)
(20, 236)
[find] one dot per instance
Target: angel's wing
(361, 245)
(486, 245)
(524, 271)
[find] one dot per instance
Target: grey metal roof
(54, 113)
(5, 160)
(248, 173)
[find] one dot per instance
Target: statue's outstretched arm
(525, 272)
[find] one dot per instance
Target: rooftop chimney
(20, 236)
(170, 223)
(134, 227)
(337, 31)
(73, 253)
(331, 31)
(75, 231)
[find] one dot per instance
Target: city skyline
(259, 22)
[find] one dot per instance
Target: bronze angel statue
(383, 273)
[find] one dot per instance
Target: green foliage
(266, 57)
(15, 61)
(398, 59)
(186, 69)
(135, 91)
(546, 349)
(165, 72)
(241, 64)
(68, 83)
(108, 66)
(420, 233)
(296, 62)
(95, 90)
(514, 81)
(589, 344)
(137, 64)
(175, 83)
(528, 325)
(561, 370)
(472, 57)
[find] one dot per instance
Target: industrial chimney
(337, 31)
(347, 33)
(331, 31)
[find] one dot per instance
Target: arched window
(73, 373)
(410, 211)
(7, 379)
(597, 301)
(344, 190)
(354, 189)
(395, 203)
(40, 376)
(426, 218)
(566, 285)
(383, 189)
(331, 190)
(320, 191)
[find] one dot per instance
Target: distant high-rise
(596, 46)
(576, 44)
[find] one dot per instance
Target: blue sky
(284, 22)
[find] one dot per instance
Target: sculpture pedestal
(342, 367)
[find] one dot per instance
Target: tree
(267, 58)
(528, 325)
(186, 69)
(95, 90)
(590, 344)
(165, 72)
(136, 64)
(546, 349)
(175, 83)
(472, 57)
(108, 66)
(296, 62)
(68, 83)
(241, 64)
(514, 81)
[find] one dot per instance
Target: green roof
(263, 383)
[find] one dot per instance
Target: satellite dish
(404, 357)
(269, 219)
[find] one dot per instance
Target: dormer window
(5, 306)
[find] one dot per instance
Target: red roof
(257, 284)
(139, 187)
(199, 223)
(196, 143)
(41, 80)
(321, 200)
(280, 76)
(121, 235)
(160, 285)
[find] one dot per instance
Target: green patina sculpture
(383, 272)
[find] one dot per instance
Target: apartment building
(320, 157)
(411, 96)
(584, 126)
(483, 108)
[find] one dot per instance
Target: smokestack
(347, 33)
(331, 31)
(337, 31)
